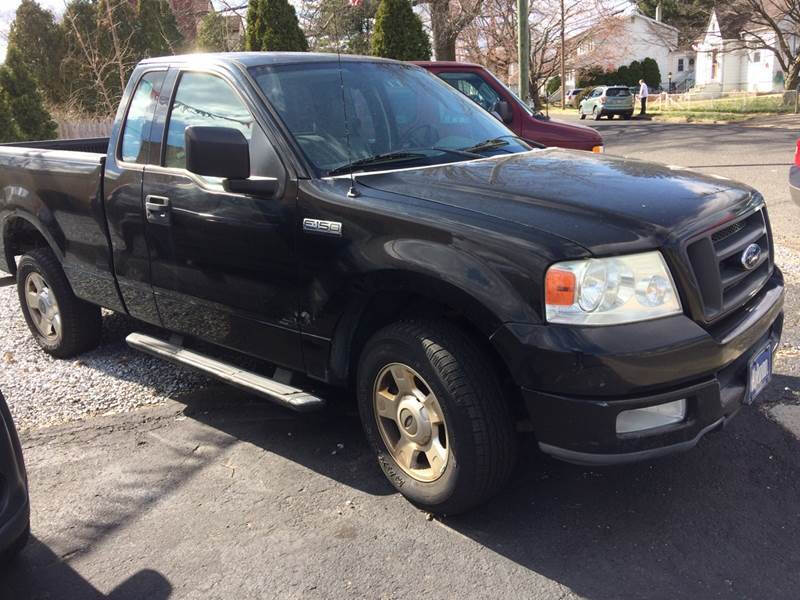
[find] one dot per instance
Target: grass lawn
(712, 110)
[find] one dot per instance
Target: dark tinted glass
(617, 92)
(390, 107)
(136, 140)
(473, 87)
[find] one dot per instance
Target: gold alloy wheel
(43, 307)
(411, 422)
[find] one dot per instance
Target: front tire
(434, 413)
(62, 324)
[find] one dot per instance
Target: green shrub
(272, 26)
(398, 32)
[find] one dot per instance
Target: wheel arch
(21, 233)
(396, 296)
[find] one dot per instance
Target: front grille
(727, 232)
(717, 262)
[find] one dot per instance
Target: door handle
(157, 209)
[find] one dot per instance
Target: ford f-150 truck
(294, 222)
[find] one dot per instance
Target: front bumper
(576, 380)
(794, 184)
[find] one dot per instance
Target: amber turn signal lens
(597, 149)
(559, 288)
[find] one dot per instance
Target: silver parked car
(608, 100)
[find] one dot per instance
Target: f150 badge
(324, 227)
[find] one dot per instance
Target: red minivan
(486, 90)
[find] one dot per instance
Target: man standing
(643, 92)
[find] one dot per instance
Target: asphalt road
(217, 495)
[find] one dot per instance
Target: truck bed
(92, 145)
(56, 186)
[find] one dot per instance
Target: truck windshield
(396, 113)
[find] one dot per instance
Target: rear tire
(627, 116)
(439, 378)
(62, 324)
(596, 114)
(583, 116)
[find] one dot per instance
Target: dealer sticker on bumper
(760, 372)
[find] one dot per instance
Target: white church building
(725, 64)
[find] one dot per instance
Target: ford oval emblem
(751, 256)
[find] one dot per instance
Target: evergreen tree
(9, 132)
(553, 84)
(36, 34)
(332, 25)
(272, 26)
(158, 33)
(399, 33)
(624, 76)
(23, 99)
(211, 34)
(636, 71)
(689, 16)
(651, 73)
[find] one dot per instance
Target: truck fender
(50, 234)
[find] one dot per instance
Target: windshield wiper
(378, 159)
(458, 152)
(490, 144)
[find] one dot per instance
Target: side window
(136, 133)
(474, 87)
(202, 99)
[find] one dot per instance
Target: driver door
(223, 264)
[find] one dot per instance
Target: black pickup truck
(356, 222)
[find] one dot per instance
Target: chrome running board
(280, 393)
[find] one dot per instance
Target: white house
(726, 64)
(627, 36)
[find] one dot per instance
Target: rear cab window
(136, 138)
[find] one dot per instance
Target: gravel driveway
(113, 378)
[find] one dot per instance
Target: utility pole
(523, 48)
(563, 69)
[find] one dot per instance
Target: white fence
(733, 102)
(84, 129)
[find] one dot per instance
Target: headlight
(610, 291)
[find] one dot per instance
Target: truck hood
(606, 204)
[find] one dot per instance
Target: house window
(691, 62)
(680, 64)
(756, 57)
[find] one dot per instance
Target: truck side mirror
(503, 110)
(217, 152)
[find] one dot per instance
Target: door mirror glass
(503, 110)
(217, 152)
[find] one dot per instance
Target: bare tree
(774, 25)
(448, 18)
(490, 38)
